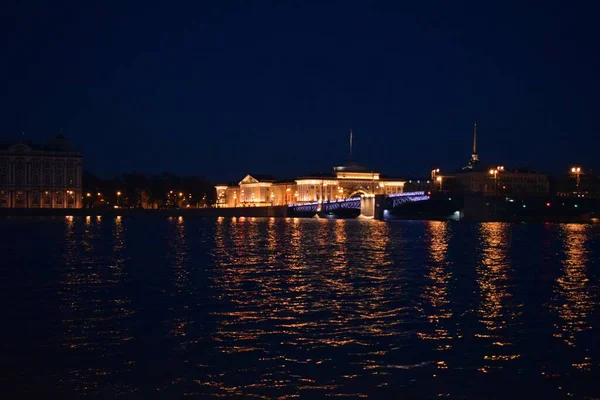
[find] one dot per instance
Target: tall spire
(474, 156)
(474, 161)
(475, 138)
(350, 154)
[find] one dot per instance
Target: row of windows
(20, 178)
(521, 179)
(21, 198)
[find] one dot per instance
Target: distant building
(495, 180)
(349, 180)
(503, 182)
(346, 181)
(579, 184)
(255, 190)
(40, 176)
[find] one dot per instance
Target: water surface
(283, 308)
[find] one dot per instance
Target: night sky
(221, 89)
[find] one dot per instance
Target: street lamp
(434, 172)
(494, 173)
(577, 172)
(439, 179)
(118, 197)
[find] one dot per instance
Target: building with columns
(350, 180)
(40, 176)
(346, 181)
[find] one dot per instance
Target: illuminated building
(40, 176)
(346, 181)
(349, 180)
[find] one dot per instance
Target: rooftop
(57, 144)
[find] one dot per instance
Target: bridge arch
(358, 193)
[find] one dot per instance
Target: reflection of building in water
(572, 292)
(95, 309)
(178, 264)
(349, 180)
(327, 297)
(40, 176)
(496, 313)
(438, 276)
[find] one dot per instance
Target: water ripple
(290, 308)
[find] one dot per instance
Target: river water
(154, 307)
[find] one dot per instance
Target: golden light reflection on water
(276, 308)
(496, 312)
(307, 303)
(93, 303)
(337, 250)
(179, 269)
(436, 292)
(573, 301)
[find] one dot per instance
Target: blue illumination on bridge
(394, 200)
(408, 197)
(316, 206)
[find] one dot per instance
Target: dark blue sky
(221, 89)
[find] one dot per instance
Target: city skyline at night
(211, 89)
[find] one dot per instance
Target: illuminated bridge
(365, 204)
(409, 197)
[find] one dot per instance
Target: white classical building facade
(346, 181)
(47, 176)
